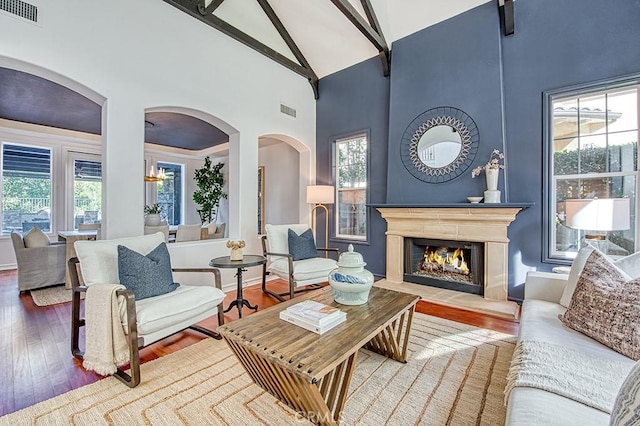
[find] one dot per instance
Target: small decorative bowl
(474, 200)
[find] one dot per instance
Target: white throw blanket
(106, 343)
(586, 378)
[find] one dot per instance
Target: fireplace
(452, 265)
(483, 224)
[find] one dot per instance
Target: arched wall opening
(73, 152)
(289, 169)
(190, 161)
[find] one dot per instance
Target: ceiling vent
(20, 8)
(283, 108)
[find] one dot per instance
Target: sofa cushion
(606, 306)
(36, 238)
(301, 246)
(539, 321)
(626, 409)
(630, 265)
(536, 407)
(532, 406)
(146, 275)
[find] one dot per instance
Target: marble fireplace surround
(486, 223)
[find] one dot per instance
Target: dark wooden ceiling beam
(373, 35)
(507, 15)
(271, 14)
(208, 9)
(191, 8)
(371, 16)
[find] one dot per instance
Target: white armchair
(153, 318)
(309, 272)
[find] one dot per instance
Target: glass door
(86, 197)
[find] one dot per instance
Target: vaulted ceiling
(313, 38)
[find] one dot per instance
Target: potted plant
(152, 214)
(210, 182)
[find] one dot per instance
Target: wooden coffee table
(310, 372)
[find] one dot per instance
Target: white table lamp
(598, 214)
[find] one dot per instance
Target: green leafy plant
(153, 209)
(210, 182)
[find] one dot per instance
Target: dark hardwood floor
(35, 355)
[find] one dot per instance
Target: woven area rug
(51, 295)
(455, 375)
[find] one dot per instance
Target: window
(26, 188)
(87, 188)
(351, 178)
(169, 193)
(592, 138)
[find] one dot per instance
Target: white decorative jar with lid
(350, 282)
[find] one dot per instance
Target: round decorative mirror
(439, 144)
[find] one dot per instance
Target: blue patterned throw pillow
(302, 246)
(147, 276)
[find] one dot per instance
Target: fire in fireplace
(454, 265)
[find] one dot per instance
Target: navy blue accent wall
(556, 44)
(355, 100)
(455, 63)
(465, 62)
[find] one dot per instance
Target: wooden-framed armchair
(302, 275)
(151, 319)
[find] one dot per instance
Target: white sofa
(539, 321)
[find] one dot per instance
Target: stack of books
(313, 316)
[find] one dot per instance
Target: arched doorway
(287, 172)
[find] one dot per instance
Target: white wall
(136, 55)
(282, 182)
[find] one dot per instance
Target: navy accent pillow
(147, 276)
(301, 246)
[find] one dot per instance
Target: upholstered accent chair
(89, 226)
(188, 233)
(218, 233)
(302, 275)
(41, 266)
(163, 227)
(153, 318)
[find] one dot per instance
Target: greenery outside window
(87, 188)
(26, 188)
(592, 142)
(170, 194)
(350, 175)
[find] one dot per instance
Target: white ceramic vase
(492, 194)
(350, 282)
(236, 254)
(492, 178)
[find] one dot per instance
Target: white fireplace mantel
(486, 223)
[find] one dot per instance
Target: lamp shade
(598, 214)
(320, 194)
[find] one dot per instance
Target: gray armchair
(39, 266)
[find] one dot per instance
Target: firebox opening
(453, 265)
